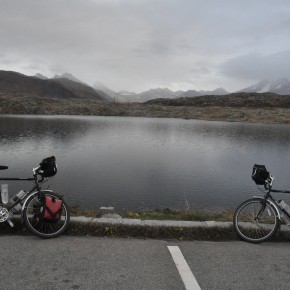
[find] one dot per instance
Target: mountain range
(68, 86)
(280, 87)
(152, 94)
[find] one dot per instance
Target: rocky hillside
(255, 100)
(12, 83)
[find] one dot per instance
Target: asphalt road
(67, 262)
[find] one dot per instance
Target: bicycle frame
(31, 191)
(43, 212)
(269, 198)
(257, 219)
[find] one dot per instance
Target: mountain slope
(70, 77)
(16, 83)
(280, 86)
(242, 99)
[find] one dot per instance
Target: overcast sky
(141, 44)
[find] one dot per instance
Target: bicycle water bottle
(16, 198)
(284, 206)
(4, 193)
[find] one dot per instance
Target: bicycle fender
(31, 194)
(272, 203)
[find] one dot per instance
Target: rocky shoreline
(23, 104)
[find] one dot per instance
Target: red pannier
(52, 209)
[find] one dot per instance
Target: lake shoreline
(84, 107)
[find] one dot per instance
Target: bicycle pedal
(11, 224)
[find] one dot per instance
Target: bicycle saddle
(2, 167)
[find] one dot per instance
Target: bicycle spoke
(41, 226)
(255, 220)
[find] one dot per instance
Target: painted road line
(187, 277)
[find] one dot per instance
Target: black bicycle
(257, 219)
(45, 213)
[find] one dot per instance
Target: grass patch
(182, 215)
(75, 210)
(194, 214)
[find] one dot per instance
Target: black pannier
(48, 167)
(260, 174)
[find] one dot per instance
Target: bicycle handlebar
(268, 184)
(36, 171)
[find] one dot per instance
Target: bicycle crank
(4, 216)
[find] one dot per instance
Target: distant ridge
(67, 85)
(161, 93)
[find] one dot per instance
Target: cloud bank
(141, 44)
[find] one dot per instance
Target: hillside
(12, 83)
(255, 100)
(20, 94)
(75, 106)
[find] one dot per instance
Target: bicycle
(257, 219)
(43, 212)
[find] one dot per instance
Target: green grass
(193, 214)
(182, 215)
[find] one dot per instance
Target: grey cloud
(136, 44)
(257, 67)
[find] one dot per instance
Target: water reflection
(137, 163)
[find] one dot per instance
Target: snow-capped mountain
(280, 86)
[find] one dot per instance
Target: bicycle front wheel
(256, 220)
(41, 227)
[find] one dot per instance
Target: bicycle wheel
(255, 220)
(40, 227)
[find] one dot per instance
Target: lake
(145, 163)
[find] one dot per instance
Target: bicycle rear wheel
(40, 227)
(256, 220)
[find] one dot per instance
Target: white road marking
(187, 277)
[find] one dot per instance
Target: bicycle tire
(251, 228)
(39, 227)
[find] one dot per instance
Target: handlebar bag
(260, 174)
(48, 167)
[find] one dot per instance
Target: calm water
(138, 163)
